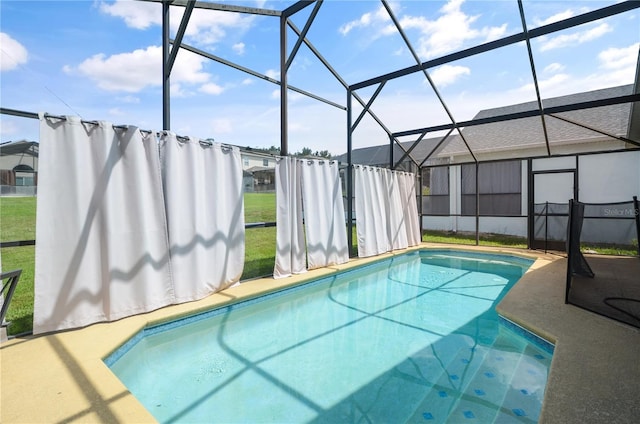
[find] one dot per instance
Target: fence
(11, 190)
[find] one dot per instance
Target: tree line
(305, 152)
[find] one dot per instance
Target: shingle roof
(19, 147)
(510, 136)
(379, 155)
(527, 132)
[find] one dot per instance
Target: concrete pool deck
(594, 376)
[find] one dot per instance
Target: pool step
(526, 392)
(507, 386)
(453, 371)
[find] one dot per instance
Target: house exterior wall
(613, 177)
(602, 178)
(10, 162)
(249, 160)
(18, 183)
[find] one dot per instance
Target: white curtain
(410, 207)
(386, 210)
(324, 216)
(290, 247)
(371, 222)
(102, 251)
(395, 211)
(205, 212)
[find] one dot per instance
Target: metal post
(390, 152)
(420, 208)
(349, 175)
(570, 252)
(166, 72)
(530, 207)
(284, 135)
(477, 205)
(546, 225)
(636, 207)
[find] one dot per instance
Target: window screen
(435, 191)
(500, 186)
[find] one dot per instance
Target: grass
(500, 240)
(20, 312)
(609, 249)
(260, 207)
(17, 218)
(495, 240)
(17, 222)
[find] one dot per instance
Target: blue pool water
(414, 338)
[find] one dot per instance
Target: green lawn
(499, 240)
(17, 222)
(17, 218)
(467, 238)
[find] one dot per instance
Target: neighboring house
(506, 175)
(262, 168)
(252, 159)
(18, 167)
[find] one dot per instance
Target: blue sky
(102, 60)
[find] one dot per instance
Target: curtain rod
(33, 115)
(181, 138)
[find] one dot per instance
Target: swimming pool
(414, 338)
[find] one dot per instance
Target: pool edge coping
(107, 386)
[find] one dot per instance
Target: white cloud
(177, 90)
(553, 68)
(211, 88)
(14, 54)
(448, 74)
(363, 21)
(450, 31)
(132, 72)
(275, 94)
(378, 18)
(272, 73)
(551, 84)
(211, 26)
(554, 18)
(238, 48)
(569, 40)
(136, 14)
(247, 81)
(617, 67)
(206, 27)
(614, 58)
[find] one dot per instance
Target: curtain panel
(386, 210)
(324, 216)
(396, 211)
(126, 225)
(290, 245)
(409, 204)
(205, 214)
(370, 201)
(102, 250)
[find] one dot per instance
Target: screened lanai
(510, 118)
(542, 112)
(482, 157)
